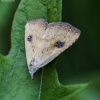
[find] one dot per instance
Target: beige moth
(44, 42)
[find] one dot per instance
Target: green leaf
(15, 81)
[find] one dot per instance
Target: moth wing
(34, 28)
(55, 32)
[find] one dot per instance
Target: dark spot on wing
(29, 38)
(59, 44)
(32, 62)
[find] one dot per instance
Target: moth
(44, 42)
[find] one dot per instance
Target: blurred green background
(81, 62)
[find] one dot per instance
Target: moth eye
(29, 38)
(59, 44)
